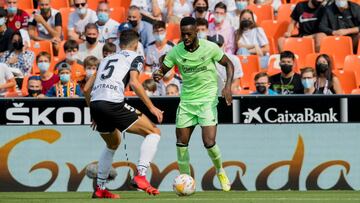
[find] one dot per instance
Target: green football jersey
(197, 69)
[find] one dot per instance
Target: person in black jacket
(342, 18)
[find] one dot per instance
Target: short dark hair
(287, 54)
(43, 53)
(91, 26)
(71, 44)
(128, 36)
(202, 22)
(109, 47)
(260, 75)
(220, 5)
(34, 77)
(206, 2)
(188, 20)
(159, 24)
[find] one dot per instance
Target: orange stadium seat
(172, 31)
(284, 12)
(352, 62)
(274, 29)
(29, 11)
(347, 80)
(65, 12)
(355, 91)
(296, 1)
(339, 47)
(39, 46)
(301, 47)
(250, 64)
(358, 49)
(25, 4)
(122, 3)
(262, 12)
(24, 87)
(242, 92)
(118, 14)
(57, 4)
(92, 4)
(272, 45)
(311, 59)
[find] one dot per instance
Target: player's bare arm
(139, 90)
(88, 87)
(226, 92)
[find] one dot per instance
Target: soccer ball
(184, 185)
(92, 170)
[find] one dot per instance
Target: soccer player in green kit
(196, 60)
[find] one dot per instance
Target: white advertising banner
(256, 157)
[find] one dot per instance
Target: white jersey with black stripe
(113, 75)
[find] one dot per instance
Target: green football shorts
(193, 113)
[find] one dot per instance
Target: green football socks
(183, 159)
(215, 155)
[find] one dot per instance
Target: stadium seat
(272, 45)
(143, 76)
(92, 4)
(352, 62)
(311, 59)
(29, 11)
(25, 4)
(301, 47)
(284, 12)
(355, 91)
(11, 92)
(118, 14)
(121, 3)
(274, 65)
(39, 46)
(274, 28)
(24, 87)
(296, 1)
(61, 55)
(173, 31)
(242, 92)
(58, 4)
(250, 64)
(262, 12)
(347, 80)
(337, 46)
(65, 12)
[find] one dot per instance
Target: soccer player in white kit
(105, 94)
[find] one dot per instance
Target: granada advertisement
(256, 157)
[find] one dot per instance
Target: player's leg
(182, 142)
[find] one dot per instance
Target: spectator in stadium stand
(46, 24)
(180, 9)
(71, 49)
(150, 87)
(108, 49)
(65, 87)
(238, 73)
(17, 58)
(202, 27)
(240, 6)
(172, 90)
(342, 18)
(5, 32)
(107, 27)
(307, 16)
(7, 79)
(251, 39)
(143, 28)
(16, 17)
(48, 78)
(222, 26)
(326, 81)
(91, 64)
(92, 46)
(151, 11)
(128, 26)
(158, 47)
(274, 3)
(286, 82)
(34, 87)
(201, 10)
(308, 78)
(79, 19)
(230, 5)
(262, 84)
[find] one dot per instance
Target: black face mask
(245, 23)
(315, 3)
(91, 40)
(133, 23)
(18, 45)
(321, 67)
(286, 68)
(200, 9)
(261, 89)
(44, 10)
(34, 93)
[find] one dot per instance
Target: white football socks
(104, 167)
(147, 152)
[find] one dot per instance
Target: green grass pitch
(208, 197)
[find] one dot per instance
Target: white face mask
(2, 21)
(341, 3)
(70, 57)
(219, 18)
(81, 11)
(202, 35)
(89, 73)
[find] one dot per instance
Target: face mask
(200, 9)
(315, 3)
(219, 19)
(160, 38)
(286, 68)
(103, 17)
(18, 45)
(89, 73)
(34, 93)
(241, 5)
(149, 93)
(341, 3)
(12, 10)
(307, 83)
(133, 22)
(70, 57)
(245, 23)
(261, 89)
(321, 67)
(65, 78)
(44, 10)
(43, 66)
(81, 11)
(91, 40)
(201, 35)
(2, 21)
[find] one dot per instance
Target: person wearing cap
(5, 32)
(34, 87)
(238, 72)
(65, 87)
(107, 26)
(17, 18)
(128, 26)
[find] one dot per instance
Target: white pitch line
(260, 199)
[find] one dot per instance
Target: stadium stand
(337, 46)
(301, 47)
